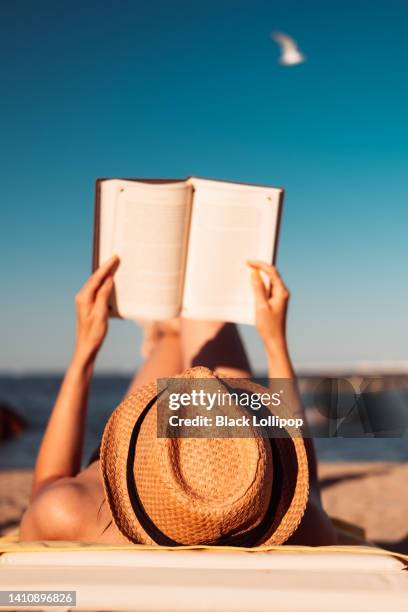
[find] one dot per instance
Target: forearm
(61, 449)
(280, 366)
(279, 362)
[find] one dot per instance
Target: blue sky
(176, 88)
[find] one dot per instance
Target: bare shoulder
(58, 511)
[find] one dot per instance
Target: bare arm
(271, 308)
(270, 316)
(60, 452)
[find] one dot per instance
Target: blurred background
(169, 89)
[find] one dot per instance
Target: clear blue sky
(185, 87)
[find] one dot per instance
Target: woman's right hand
(92, 306)
(270, 304)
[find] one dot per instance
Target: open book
(183, 245)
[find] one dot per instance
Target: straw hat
(229, 491)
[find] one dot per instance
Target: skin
(67, 503)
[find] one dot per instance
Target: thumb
(104, 293)
(259, 289)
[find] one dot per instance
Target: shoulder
(57, 512)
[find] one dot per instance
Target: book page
(146, 225)
(230, 224)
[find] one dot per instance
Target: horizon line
(303, 368)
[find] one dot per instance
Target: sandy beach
(372, 495)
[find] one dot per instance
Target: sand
(372, 495)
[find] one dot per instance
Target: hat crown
(212, 471)
(218, 487)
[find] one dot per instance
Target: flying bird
(290, 54)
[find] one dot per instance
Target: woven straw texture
(199, 491)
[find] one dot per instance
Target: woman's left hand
(92, 307)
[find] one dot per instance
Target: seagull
(290, 54)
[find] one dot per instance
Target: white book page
(229, 225)
(146, 225)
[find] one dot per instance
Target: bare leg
(216, 345)
(165, 360)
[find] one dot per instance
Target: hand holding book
(92, 303)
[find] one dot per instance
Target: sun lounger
(284, 578)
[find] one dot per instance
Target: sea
(32, 397)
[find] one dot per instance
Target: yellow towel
(10, 544)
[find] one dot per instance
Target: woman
(69, 504)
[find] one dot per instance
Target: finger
(259, 289)
(98, 277)
(270, 270)
(104, 293)
(278, 286)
